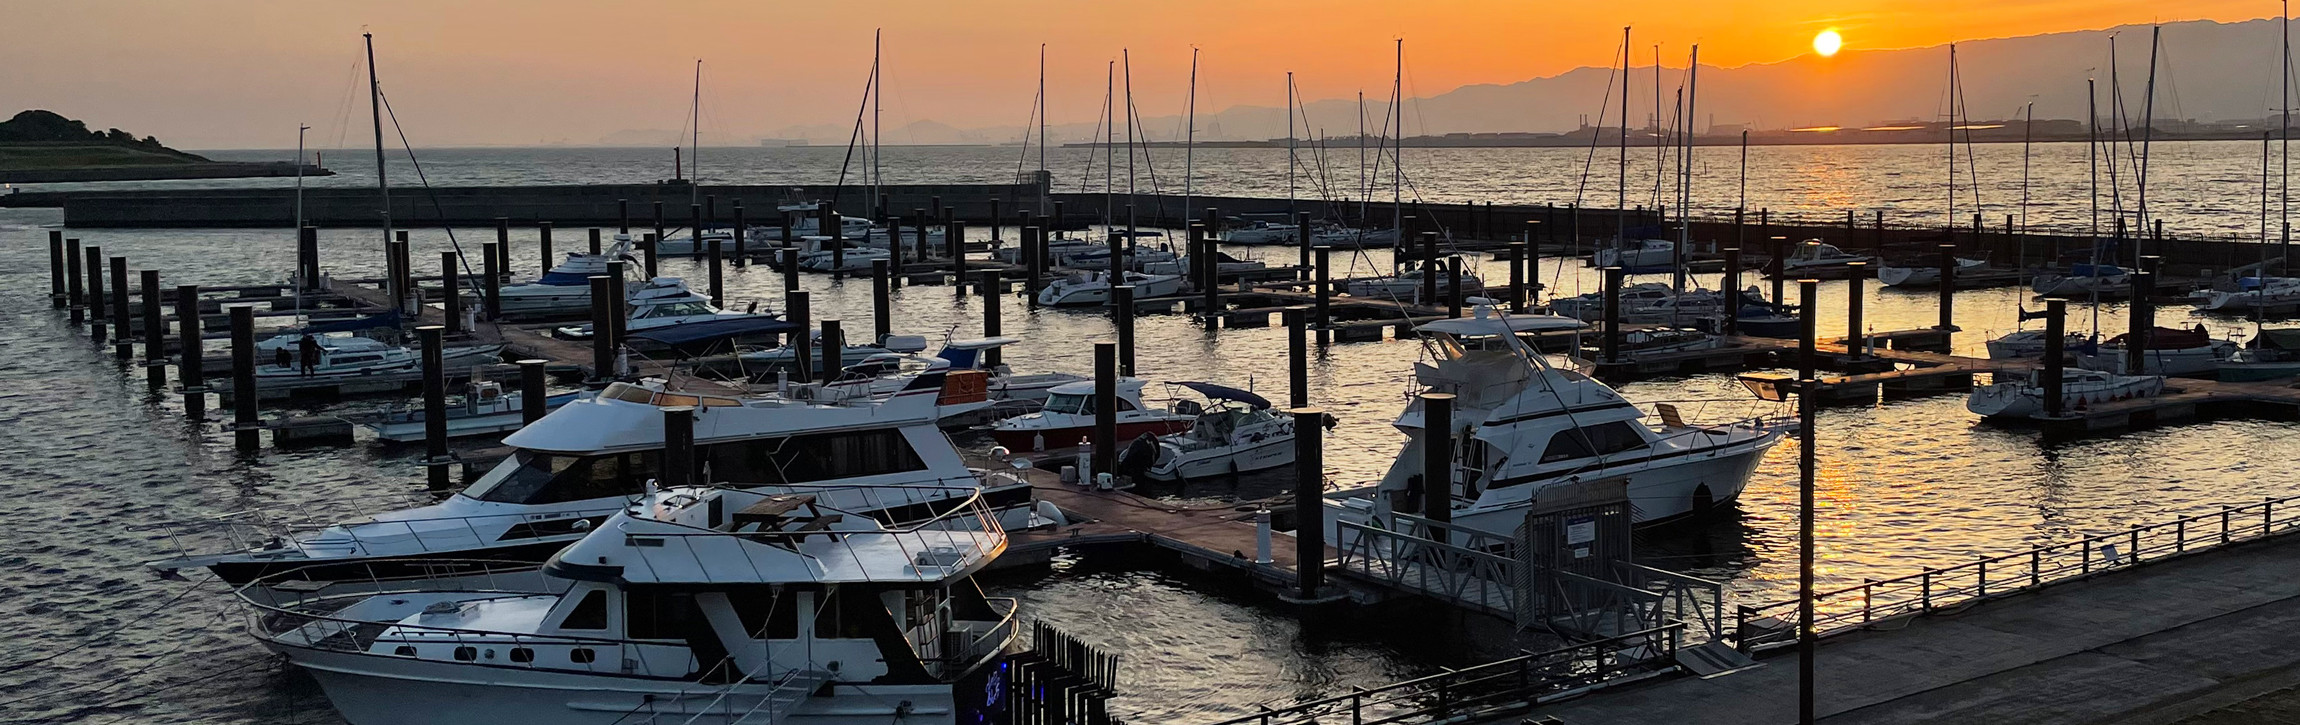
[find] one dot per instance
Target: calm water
(2198, 188)
(96, 462)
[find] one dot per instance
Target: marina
(1015, 431)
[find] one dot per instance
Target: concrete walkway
(2215, 632)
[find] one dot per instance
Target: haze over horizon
(589, 72)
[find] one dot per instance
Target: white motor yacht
(665, 302)
(1235, 432)
(1093, 288)
(2170, 352)
(1263, 231)
(2079, 388)
(566, 288)
(349, 357)
(1406, 285)
(1815, 258)
(1924, 271)
(2253, 292)
(1224, 264)
(969, 384)
(689, 605)
(582, 462)
(484, 410)
(1640, 254)
(1354, 238)
(1521, 425)
(816, 254)
(1068, 417)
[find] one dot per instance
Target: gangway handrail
(1851, 608)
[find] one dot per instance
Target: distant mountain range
(2207, 71)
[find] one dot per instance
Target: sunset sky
(243, 74)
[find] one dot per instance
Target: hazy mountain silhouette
(2207, 71)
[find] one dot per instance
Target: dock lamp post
(1777, 387)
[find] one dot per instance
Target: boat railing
(959, 535)
(1951, 588)
(281, 525)
(961, 649)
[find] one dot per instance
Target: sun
(1828, 42)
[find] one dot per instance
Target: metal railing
(301, 526)
(1489, 690)
(1850, 608)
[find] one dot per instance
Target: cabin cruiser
(1652, 340)
(823, 254)
(1924, 270)
(969, 384)
(762, 362)
(2170, 352)
(1521, 425)
(1224, 265)
(2026, 344)
(348, 358)
(484, 410)
(1638, 255)
(687, 605)
(1591, 306)
(1093, 288)
(575, 467)
(1406, 285)
(566, 289)
(1236, 432)
(1644, 303)
(283, 349)
(2079, 388)
(666, 302)
(1759, 318)
(2274, 354)
(1056, 251)
(2252, 292)
(2083, 279)
(1814, 259)
(1263, 232)
(1068, 417)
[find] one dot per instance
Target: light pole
(1774, 387)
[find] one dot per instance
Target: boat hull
(1271, 452)
(1657, 494)
(1044, 439)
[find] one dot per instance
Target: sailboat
(1405, 281)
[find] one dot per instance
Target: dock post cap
(1306, 410)
(1436, 396)
(1811, 280)
(534, 361)
(678, 409)
(421, 328)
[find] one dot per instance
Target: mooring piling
(795, 309)
(97, 326)
(1437, 461)
(1808, 316)
(451, 291)
(742, 234)
(1611, 345)
(659, 233)
(1309, 502)
(1453, 286)
(1732, 289)
(623, 216)
(603, 309)
(595, 248)
(1429, 265)
(1105, 410)
(834, 344)
(1856, 335)
(1325, 294)
(1516, 254)
(533, 402)
(894, 252)
(789, 261)
(881, 304)
(1298, 356)
(827, 225)
(2142, 316)
(1033, 262)
(123, 346)
(618, 301)
(490, 282)
(246, 426)
(2055, 356)
(1122, 318)
(56, 295)
(1948, 290)
(75, 293)
(993, 290)
(678, 446)
(1777, 248)
(436, 459)
(923, 222)
(190, 369)
(543, 248)
(1303, 246)
(155, 332)
(647, 255)
(718, 275)
(307, 258)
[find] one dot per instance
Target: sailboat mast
(1129, 59)
(2147, 133)
(1042, 196)
(1397, 149)
(1110, 148)
(1292, 150)
(876, 94)
(695, 145)
(2092, 162)
(375, 113)
(1685, 168)
(1621, 189)
(2284, 141)
(299, 133)
(1952, 128)
(1190, 139)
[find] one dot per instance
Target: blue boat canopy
(1224, 392)
(714, 331)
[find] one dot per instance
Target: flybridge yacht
(582, 462)
(969, 385)
(689, 605)
(666, 302)
(566, 289)
(1521, 425)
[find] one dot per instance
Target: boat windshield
(677, 309)
(1070, 404)
(529, 477)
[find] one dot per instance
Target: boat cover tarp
(2168, 338)
(1224, 392)
(704, 333)
(389, 318)
(2281, 339)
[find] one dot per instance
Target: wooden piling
(436, 460)
(96, 300)
(155, 332)
(618, 300)
(2142, 316)
(1453, 286)
(1429, 265)
(995, 222)
(742, 234)
(1122, 318)
(795, 309)
(246, 426)
(1105, 410)
(75, 294)
(923, 221)
(307, 258)
(451, 291)
(2055, 357)
(679, 446)
(595, 246)
(490, 282)
(718, 275)
(123, 346)
(1298, 356)
(533, 402)
(1732, 289)
(56, 286)
(881, 304)
(623, 216)
(1611, 345)
(954, 238)
(659, 234)
(1437, 461)
(1808, 316)
(543, 241)
(1302, 234)
(1309, 502)
(1856, 335)
(993, 290)
(190, 369)
(834, 344)
(1034, 261)
(1325, 294)
(603, 309)
(647, 256)
(1948, 290)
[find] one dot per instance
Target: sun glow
(1828, 42)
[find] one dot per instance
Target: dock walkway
(1205, 534)
(2152, 645)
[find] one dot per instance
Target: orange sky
(232, 74)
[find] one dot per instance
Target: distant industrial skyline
(530, 72)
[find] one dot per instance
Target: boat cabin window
(813, 457)
(848, 613)
(591, 613)
(540, 478)
(655, 614)
(766, 614)
(676, 309)
(350, 359)
(1597, 440)
(1082, 404)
